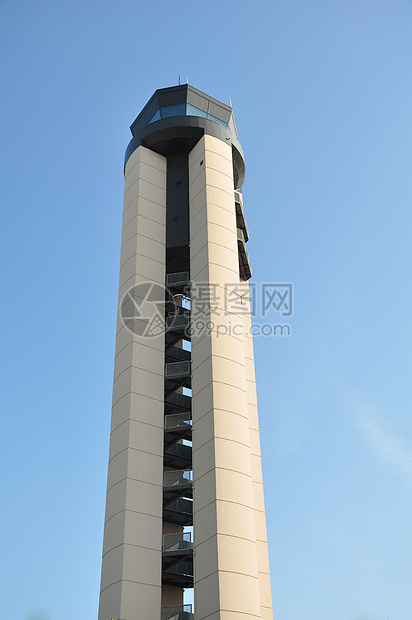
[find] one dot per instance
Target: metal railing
(177, 542)
(240, 215)
(181, 568)
(244, 263)
(185, 506)
(177, 354)
(177, 369)
(178, 420)
(180, 320)
(177, 612)
(177, 477)
(176, 310)
(174, 279)
(179, 400)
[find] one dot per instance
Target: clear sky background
(322, 95)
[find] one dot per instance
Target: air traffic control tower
(185, 531)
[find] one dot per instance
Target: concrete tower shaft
(184, 502)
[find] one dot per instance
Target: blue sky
(322, 97)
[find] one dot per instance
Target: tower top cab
(175, 118)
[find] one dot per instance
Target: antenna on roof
(230, 101)
(179, 80)
(187, 80)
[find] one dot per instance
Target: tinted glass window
(173, 110)
(192, 111)
(155, 117)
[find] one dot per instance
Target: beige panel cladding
(260, 519)
(132, 548)
(226, 558)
